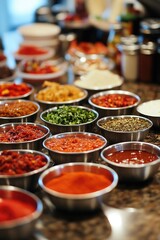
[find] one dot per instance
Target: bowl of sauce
(133, 161)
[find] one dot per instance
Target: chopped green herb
(69, 115)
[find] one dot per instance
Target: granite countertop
(131, 212)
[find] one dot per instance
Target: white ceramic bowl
(151, 110)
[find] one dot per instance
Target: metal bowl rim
(124, 116)
(28, 123)
(72, 125)
(31, 173)
(65, 102)
(104, 93)
(17, 97)
(21, 100)
(129, 166)
(79, 196)
(74, 133)
(27, 219)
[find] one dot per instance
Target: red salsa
(13, 89)
(114, 100)
(132, 157)
(21, 133)
(13, 163)
(76, 143)
(12, 209)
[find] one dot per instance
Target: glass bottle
(147, 62)
(129, 62)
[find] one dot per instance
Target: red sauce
(114, 100)
(79, 182)
(21, 133)
(74, 143)
(31, 50)
(132, 157)
(14, 163)
(11, 209)
(14, 90)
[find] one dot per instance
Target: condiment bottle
(150, 30)
(129, 62)
(146, 62)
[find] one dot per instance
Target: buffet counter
(131, 211)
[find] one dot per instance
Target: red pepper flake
(114, 100)
(21, 133)
(13, 163)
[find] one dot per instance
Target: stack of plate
(40, 34)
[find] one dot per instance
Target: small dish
(22, 136)
(88, 201)
(22, 168)
(55, 94)
(114, 102)
(15, 91)
(15, 200)
(151, 110)
(124, 128)
(69, 119)
(133, 161)
(18, 111)
(74, 147)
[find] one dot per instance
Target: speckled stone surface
(131, 212)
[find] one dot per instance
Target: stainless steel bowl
(48, 104)
(78, 202)
(150, 110)
(25, 96)
(60, 128)
(114, 136)
(60, 157)
(22, 227)
(27, 181)
(35, 144)
(108, 111)
(22, 119)
(134, 172)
